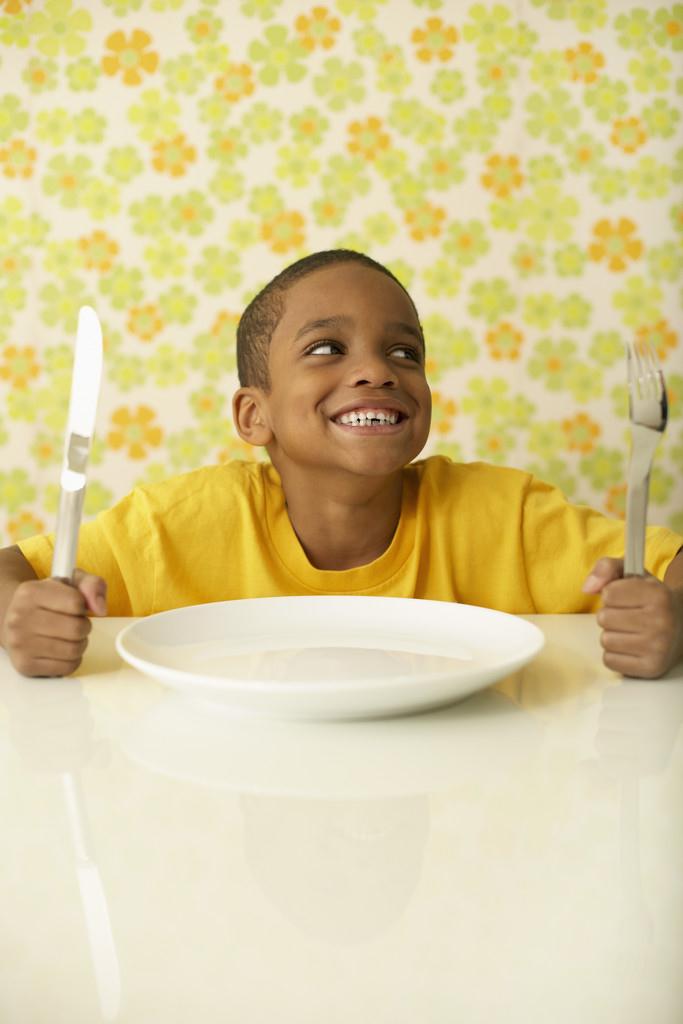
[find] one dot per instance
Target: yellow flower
(660, 336)
(145, 322)
(580, 433)
(173, 155)
(19, 366)
(98, 251)
(435, 40)
(504, 341)
(503, 175)
(614, 242)
(368, 139)
(17, 159)
(24, 525)
(134, 431)
(584, 62)
(236, 82)
(130, 56)
(319, 29)
(284, 231)
(628, 134)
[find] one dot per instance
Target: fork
(648, 411)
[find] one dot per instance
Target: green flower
(296, 164)
(213, 110)
(666, 261)
(61, 302)
(575, 311)
(494, 443)
(190, 212)
(100, 198)
(639, 302)
(660, 119)
(58, 28)
(218, 269)
(227, 185)
(279, 56)
(14, 32)
(13, 118)
(309, 126)
(584, 382)
(545, 439)
(414, 120)
(663, 35)
(552, 361)
(40, 75)
(329, 210)
(126, 371)
(540, 310)
(544, 169)
(453, 450)
(487, 400)
(53, 126)
(15, 489)
(67, 178)
(448, 345)
(497, 105)
(185, 449)
(549, 69)
(365, 9)
(603, 467)
(392, 163)
(122, 7)
(548, 213)
(226, 146)
(588, 15)
(442, 168)
(551, 115)
(212, 58)
(155, 115)
(83, 75)
(466, 241)
(62, 258)
(204, 27)
(490, 29)
(123, 286)
(212, 355)
(21, 406)
(555, 473)
(476, 131)
(608, 98)
(265, 201)
(491, 299)
(606, 348)
(448, 86)
(368, 41)
(340, 84)
(168, 365)
(89, 126)
(148, 216)
(208, 404)
(392, 71)
(497, 72)
(442, 278)
(650, 71)
(12, 295)
(570, 261)
(263, 123)
(609, 184)
(166, 257)
(346, 178)
(97, 498)
(634, 29)
(242, 234)
(123, 163)
(661, 485)
(584, 153)
(528, 260)
(177, 305)
(182, 75)
(506, 214)
(408, 192)
(650, 179)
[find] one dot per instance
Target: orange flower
(130, 56)
(134, 431)
(614, 242)
(225, 325)
(444, 410)
(173, 155)
(425, 220)
(615, 501)
(580, 433)
(17, 159)
(628, 134)
(435, 40)
(584, 63)
(24, 525)
(145, 321)
(368, 138)
(503, 175)
(283, 231)
(236, 82)
(660, 336)
(19, 367)
(13, 6)
(98, 251)
(319, 29)
(504, 341)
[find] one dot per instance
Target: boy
(332, 383)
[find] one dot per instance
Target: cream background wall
(518, 165)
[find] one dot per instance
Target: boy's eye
(316, 349)
(325, 348)
(410, 353)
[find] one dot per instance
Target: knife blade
(80, 426)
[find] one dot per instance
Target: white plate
(329, 657)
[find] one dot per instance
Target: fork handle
(643, 448)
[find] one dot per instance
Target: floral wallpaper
(518, 165)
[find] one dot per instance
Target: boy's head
(333, 333)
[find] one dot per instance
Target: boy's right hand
(46, 626)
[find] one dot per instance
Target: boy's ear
(249, 416)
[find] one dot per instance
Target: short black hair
(262, 315)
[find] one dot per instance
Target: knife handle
(66, 536)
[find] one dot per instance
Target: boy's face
(349, 339)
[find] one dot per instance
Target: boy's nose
(374, 371)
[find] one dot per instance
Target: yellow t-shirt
(473, 533)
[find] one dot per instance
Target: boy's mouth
(370, 420)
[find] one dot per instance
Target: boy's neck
(344, 526)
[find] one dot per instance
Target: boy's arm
(43, 623)
(641, 617)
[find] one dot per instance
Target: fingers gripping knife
(85, 389)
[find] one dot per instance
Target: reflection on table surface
(515, 856)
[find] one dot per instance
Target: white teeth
(359, 417)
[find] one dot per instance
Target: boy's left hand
(641, 620)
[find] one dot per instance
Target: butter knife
(85, 390)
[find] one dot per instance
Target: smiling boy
(331, 360)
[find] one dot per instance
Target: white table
(517, 857)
